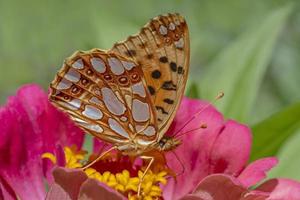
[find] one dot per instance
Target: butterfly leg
(145, 172)
(98, 158)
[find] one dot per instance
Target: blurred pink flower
(223, 147)
(30, 126)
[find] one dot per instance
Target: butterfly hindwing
(161, 48)
(129, 95)
(105, 94)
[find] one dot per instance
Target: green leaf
(270, 134)
(239, 69)
(192, 90)
(288, 166)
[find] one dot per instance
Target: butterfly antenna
(202, 126)
(219, 96)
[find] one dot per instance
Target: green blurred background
(248, 49)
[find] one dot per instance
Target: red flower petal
(92, 189)
(67, 184)
(224, 187)
(281, 189)
(73, 184)
(220, 187)
(256, 171)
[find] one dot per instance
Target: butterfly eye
(162, 143)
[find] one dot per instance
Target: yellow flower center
(123, 182)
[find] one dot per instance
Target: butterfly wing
(162, 50)
(105, 94)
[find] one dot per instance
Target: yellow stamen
(73, 157)
(122, 182)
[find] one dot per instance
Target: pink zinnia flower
(213, 159)
(217, 156)
(30, 126)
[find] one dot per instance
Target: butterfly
(128, 96)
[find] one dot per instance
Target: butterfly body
(129, 95)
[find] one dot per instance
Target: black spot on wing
(168, 85)
(173, 66)
(168, 101)
(161, 109)
(180, 70)
(151, 90)
(156, 74)
(163, 59)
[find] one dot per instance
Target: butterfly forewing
(162, 50)
(105, 94)
(129, 95)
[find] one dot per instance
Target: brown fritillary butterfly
(128, 96)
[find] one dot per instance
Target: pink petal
(30, 126)
(6, 192)
(256, 171)
(195, 149)
(20, 168)
(57, 192)
(73, 184)
(100, 146)
(202, 111)
(67, 183)
(205, 151)
(224, 187)
(231, 149)
(92, 189)
(219, 187)
(281, 189)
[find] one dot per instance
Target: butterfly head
(168, 143)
